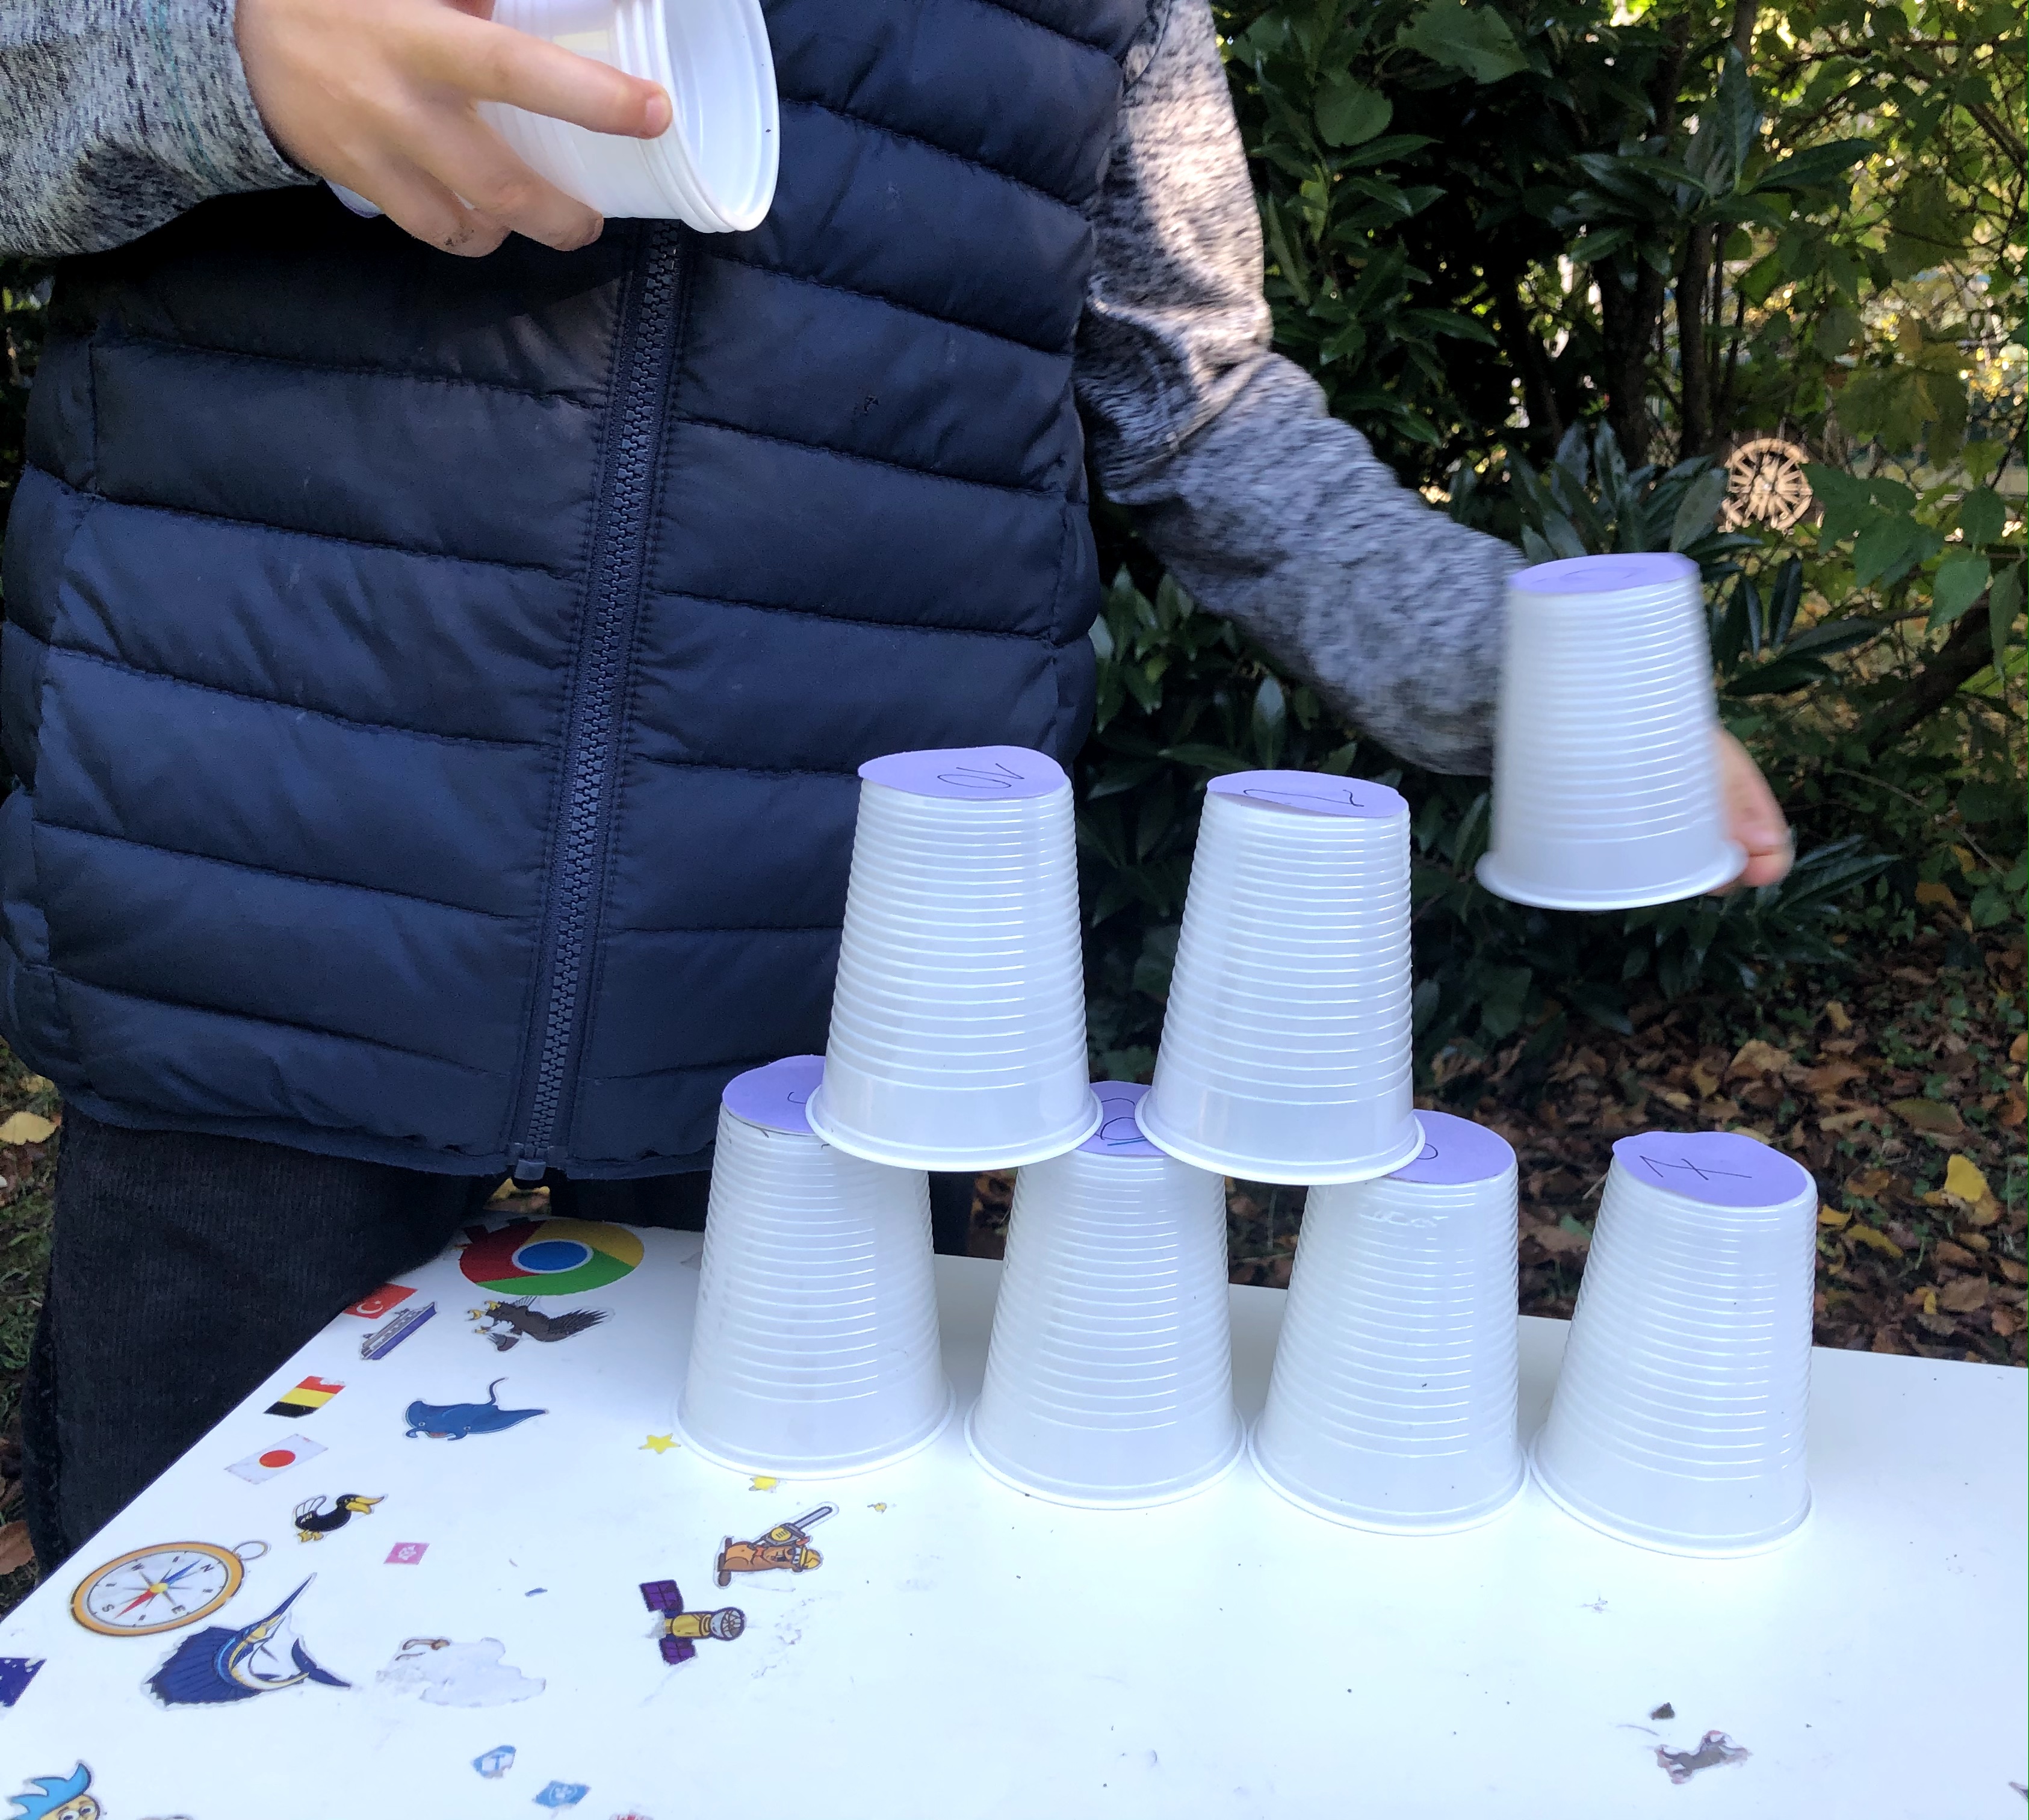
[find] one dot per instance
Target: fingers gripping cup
(1678, 1420)
(1392, 1405)
(715, 166)
(815, 1349)
(1285, 1050)
(957, 1037)
(1606, 784)
(1109, 1378)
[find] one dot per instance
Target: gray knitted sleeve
(1272, 513)
(117, 115)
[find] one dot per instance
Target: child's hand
(1752, 816)
(378, 95)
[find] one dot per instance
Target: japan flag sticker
(278, 1459)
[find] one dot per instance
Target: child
(436, 682)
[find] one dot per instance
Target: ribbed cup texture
(1109, 1379)
(1285, 1050)
(1393, 1404)
(815, 1348)
(714, 168)
(1678, 1420)
(1605, 773)
(958, 1037)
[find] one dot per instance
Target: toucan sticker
(319, 1517)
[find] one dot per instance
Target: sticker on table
(1714, 1748)
(162, 1587)
(678, 1631)
(218, 1667)
(388, 1296)
(559, 1257)
(458, 1674)
(508, 1323)
(563, 1794)
(494, 1763)
(406, 1554)
(306, 1399)
(785, 1546)
(285, 1453)
(316, 1517)
(383, 1340)
(453, 1421)
(657, 1445)
(16, 1672)
(58, 1798)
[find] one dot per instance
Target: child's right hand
(379, 95)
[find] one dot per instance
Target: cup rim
(1723, 869)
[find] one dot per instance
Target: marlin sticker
(316, 1517)
(219, 1665)
(505, 1323)
(453, 1421)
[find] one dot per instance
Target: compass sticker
(148, 1591)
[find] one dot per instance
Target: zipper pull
(528, 1170)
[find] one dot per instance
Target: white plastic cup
(1606, 783)
(815, 1351)
(1392, 1405)
(1285, 1053)
(958, 1038)
(1109, 1377)
(1679, 1419)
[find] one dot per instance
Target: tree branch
(1966, 653)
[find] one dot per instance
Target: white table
(965, 1652)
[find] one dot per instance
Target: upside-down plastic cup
(1679, 1419)
(1285, 1050)
(1606, 783)
(1109, 1377)
(957, 1038)
(815, 1348)
(1392, 1405)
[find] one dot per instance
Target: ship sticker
(453, 1421)
(306, 1399)
(678, 1632)
(507, 1323)
(218, 1665)
(383, 1340)
(786, 1546)
(316, 1517)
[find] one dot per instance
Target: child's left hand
(1753, 817)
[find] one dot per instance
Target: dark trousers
(184, 1268)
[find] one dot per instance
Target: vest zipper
(628, 493)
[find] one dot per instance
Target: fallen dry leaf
(26, 1128)
(1963, 1178)
(2018, 1051)
(2013, 1271)
(15, 1552)
(1676, 1101)
(1929, 1115)
(1937, 894)
(1756, 1057)
(1841, 1121)
(1704, 1080)
(1872, 1183)
(1832, 1216)
(1874, 1241)
(1963, 1296)
(2005, 1321)
(1837, 1013)
(1558, 1239)
(1833, 1076)
(1957, 1256)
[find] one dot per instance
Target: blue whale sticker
(453, 1421)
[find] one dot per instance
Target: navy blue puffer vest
(436, 685)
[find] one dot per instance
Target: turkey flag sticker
(388, 1296)
(279, 1459)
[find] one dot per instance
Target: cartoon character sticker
(218, 1667)
(316, 1517)
(679, 1631)
(787, 1545)
(453, 1421)
(458, 1674)
(508, 1323)
(58, 1798)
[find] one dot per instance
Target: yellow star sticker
(659, 1444)
(877, 1506)
(763, 1482)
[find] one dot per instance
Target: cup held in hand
(1606, 779)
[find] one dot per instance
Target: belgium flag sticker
(306, 1399)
